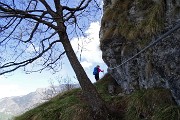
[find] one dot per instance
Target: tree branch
(26, 62)
(10, 12)
(78, 8)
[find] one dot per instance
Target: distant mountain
(20, 104)
(5, 116)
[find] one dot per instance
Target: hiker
(96, 72)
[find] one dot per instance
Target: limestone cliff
(130, 25)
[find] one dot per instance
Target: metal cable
(150, 45)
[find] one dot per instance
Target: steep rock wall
(127, 27)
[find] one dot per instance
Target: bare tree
(66, 84)
(62, 85)
(34, 31)
(50, 92)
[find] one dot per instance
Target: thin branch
(49, 64)
(78, 8)
(26, 62)
(50, 11)
(23, 14)
(34, 30)
(11, 31)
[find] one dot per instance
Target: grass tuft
(144, 103)
(117, 21)
(168, 113)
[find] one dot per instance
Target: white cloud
(89, 45)
(2, 77)
(86, 64)
(11, 90)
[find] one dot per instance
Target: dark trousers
(97, 77)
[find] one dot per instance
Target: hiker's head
(98, 66)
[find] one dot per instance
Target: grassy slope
(151, 104)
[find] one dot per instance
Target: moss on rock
(133, 19)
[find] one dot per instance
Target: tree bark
(94, 99)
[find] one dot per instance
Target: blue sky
(20, 83)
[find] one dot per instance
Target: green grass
(150, 104)
(61, 107)
(168, 113)
(144, 103)
(119, 23)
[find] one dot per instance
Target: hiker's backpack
(95, 71)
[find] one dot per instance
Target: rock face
(130, 25)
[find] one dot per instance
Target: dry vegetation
(150, 104)
(147, 21)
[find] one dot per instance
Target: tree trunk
(90, 92)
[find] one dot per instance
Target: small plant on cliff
(144, 104)
(169, 113)
(147, 21)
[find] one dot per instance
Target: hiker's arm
(101, 70)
